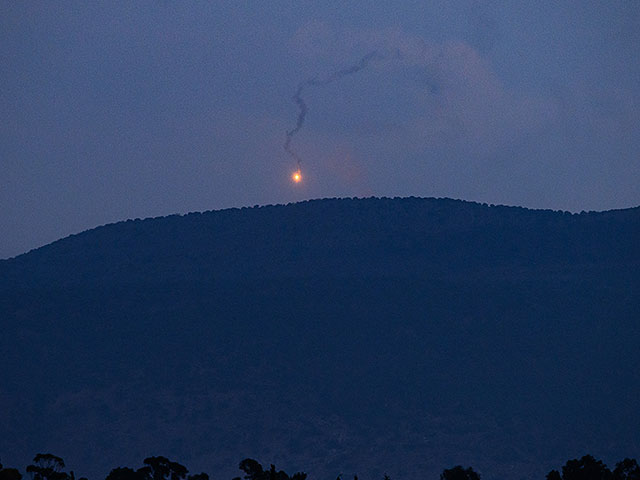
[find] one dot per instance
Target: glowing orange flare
(296, 176)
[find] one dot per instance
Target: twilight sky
(115, 110)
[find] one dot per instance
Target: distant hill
(332, 336)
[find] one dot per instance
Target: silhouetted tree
(627, 469)
(161, 468)
(459, 473)
(47, 467)
(125, 473)
(73, 477)
(554, 475)
(254, 471)
(9, 473)
(198, 476)
(587, 468)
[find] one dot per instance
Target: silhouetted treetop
(9, 473)
(586, 468)
(251, 468)
(125, 473)
(627, 469)
(459, 473)
(554, 475)
(156, 468)
(47, 466)
(161, 468)
(254, 471)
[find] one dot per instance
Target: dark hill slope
(332, 237)
(402, 335)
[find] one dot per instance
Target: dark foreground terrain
(331, 336)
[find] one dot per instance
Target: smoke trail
(315, 82)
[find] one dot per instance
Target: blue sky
(116, 110)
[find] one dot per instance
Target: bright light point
(296, 176)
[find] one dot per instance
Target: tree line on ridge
(47, 466)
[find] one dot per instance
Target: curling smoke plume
(315, 82)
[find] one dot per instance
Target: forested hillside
(373, 336)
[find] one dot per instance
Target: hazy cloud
(119, 110)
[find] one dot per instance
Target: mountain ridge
(473, 215)
(326, 199)
(337, 335)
